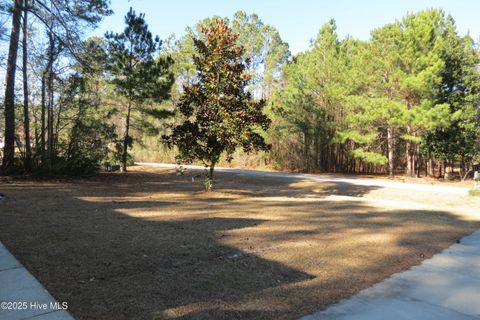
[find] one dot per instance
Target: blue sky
(298, 21)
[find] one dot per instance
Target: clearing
(151, 245)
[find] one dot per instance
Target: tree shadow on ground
(111, 266)
(246, 185)
(147, 245)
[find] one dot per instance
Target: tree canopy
(404, 98)
(405, 101)
(135, 72)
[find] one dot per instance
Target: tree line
(50, 35)
(81, 96)
(406, 100)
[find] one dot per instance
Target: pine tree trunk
(431, 167)
(306, 150)
(43, 129)
(416, 163)
(50, 120)
(391, 150)
(410, 160)
(126, 138)
(50, 102)
(410, 155)
(9, 147)
(316, 165)
(26, 110)
(443, 169)
(57, 128)
(35, 132)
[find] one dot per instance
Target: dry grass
(151, 245)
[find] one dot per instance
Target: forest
(404, 102)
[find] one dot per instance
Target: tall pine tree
(135, 73)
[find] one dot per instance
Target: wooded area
(406, 101)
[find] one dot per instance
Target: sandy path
(323, 178)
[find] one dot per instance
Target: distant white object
(476, 178)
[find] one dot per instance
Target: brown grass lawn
(151, 245)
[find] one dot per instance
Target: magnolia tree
(219, 113)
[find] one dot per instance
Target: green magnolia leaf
(220, 113)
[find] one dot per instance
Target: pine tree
(9, 148)
(460, 89)
(135, 73)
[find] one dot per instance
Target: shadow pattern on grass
(109, 265)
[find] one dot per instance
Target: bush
(87, 147)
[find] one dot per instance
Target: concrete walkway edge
(444, 287)
(22, 296)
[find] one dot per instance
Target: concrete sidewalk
(22, 296)
(445, 287)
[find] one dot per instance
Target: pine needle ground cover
(149, 244)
